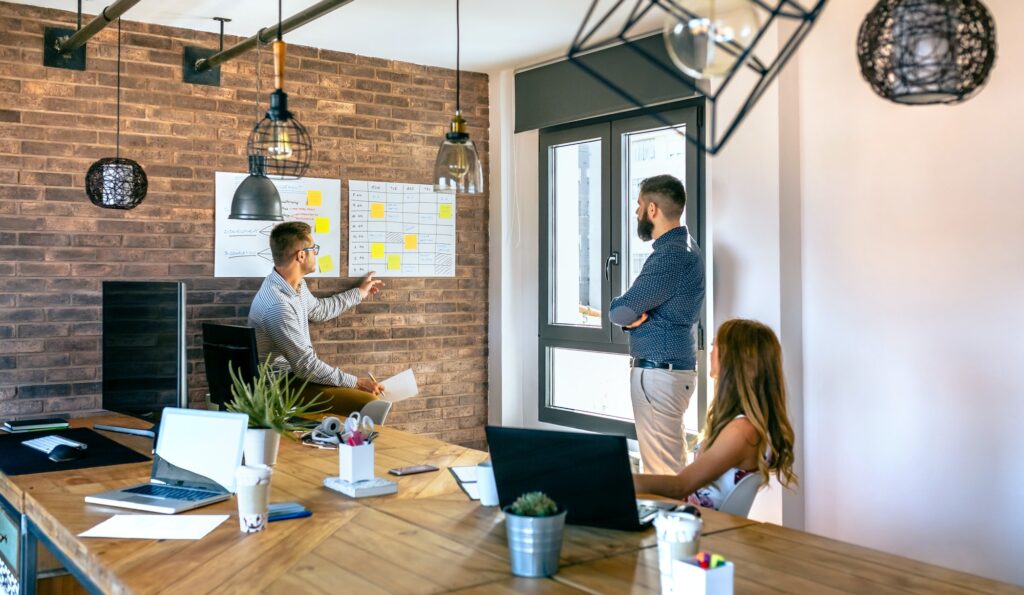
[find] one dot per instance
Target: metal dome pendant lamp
(257, 198)
(458, 166)
(116, 182)
(920, 52)
(279, 138)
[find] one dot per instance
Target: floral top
(713, 494)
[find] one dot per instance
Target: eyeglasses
(315, 249)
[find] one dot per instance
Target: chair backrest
(739, 501)
(377, 411)
(223, 344)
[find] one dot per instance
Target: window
(590, 180)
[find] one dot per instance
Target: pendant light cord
(279, 20)
(117, 150)
(458, 81)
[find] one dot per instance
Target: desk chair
(223, 343)
(377, 411)
(739, 501)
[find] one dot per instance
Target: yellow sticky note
(323, 225)
(444, 211)
(376, 250)
(326, 263)
(376, 210)
(410, 241)
(394, 262)
(314, 198)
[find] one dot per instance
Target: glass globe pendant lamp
(457, 166)
(705, 38)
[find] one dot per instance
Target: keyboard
(172, 493)
(48, 443)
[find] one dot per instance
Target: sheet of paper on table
(156, 526)
(401, 386)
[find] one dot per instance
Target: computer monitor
(144, 350)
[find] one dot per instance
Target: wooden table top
(774, 559)
(428, 538)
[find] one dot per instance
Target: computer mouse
(63, 453)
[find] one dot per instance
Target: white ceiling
(496, 34)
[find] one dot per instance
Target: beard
(645, 228)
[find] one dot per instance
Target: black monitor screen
(143, 347)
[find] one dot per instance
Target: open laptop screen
(208, 443)
(588, 474)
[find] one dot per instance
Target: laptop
(197, 454)
(588, 474)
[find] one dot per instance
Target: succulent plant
(533, 504)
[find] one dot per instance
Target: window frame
(615, 210)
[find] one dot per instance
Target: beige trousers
(660, 398)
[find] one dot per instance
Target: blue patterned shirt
(670, 289)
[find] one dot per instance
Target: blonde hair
(750, 383)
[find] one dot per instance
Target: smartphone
(412, 470)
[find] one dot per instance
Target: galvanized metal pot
(534, 543)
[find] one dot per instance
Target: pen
(375, 381)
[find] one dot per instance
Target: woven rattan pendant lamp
(279, 138)
(116, 182)
(919, 52)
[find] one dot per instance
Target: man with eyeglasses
(283, 308)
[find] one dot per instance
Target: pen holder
(355, 463)
(688, 577)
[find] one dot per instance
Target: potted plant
(271, 402)
(534, 524)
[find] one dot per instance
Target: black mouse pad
(18, 459)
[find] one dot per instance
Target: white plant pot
(261, 446)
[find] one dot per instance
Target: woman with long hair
(747, 429)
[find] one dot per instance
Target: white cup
(253, 485)
(485, 484)
(678, 539)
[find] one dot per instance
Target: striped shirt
(281, 318)
(670, 289)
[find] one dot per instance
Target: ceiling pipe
(70, 43)
(269, 33)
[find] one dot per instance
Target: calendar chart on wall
(400, 230)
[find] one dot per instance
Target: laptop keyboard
(186, 494)
(646, 512)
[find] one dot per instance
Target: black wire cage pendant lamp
(116, 182)
(279, 138)
(257, 198)
(457, 166)
(920, 52)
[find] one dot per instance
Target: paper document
(401, 386)
(156, 526)
(466, 478)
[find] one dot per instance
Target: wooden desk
(428, 538)
(773, 559)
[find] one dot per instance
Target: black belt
(639, 362)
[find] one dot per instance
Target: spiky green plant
(271, 401)
(534, 504)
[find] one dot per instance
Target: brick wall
(369, 119)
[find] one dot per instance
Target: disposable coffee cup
(253, 485)
(678, 539)
(485, 484)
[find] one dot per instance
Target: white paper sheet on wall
(400, 230)
(242, 248)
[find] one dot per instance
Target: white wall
(913, 279)
(884, 243)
